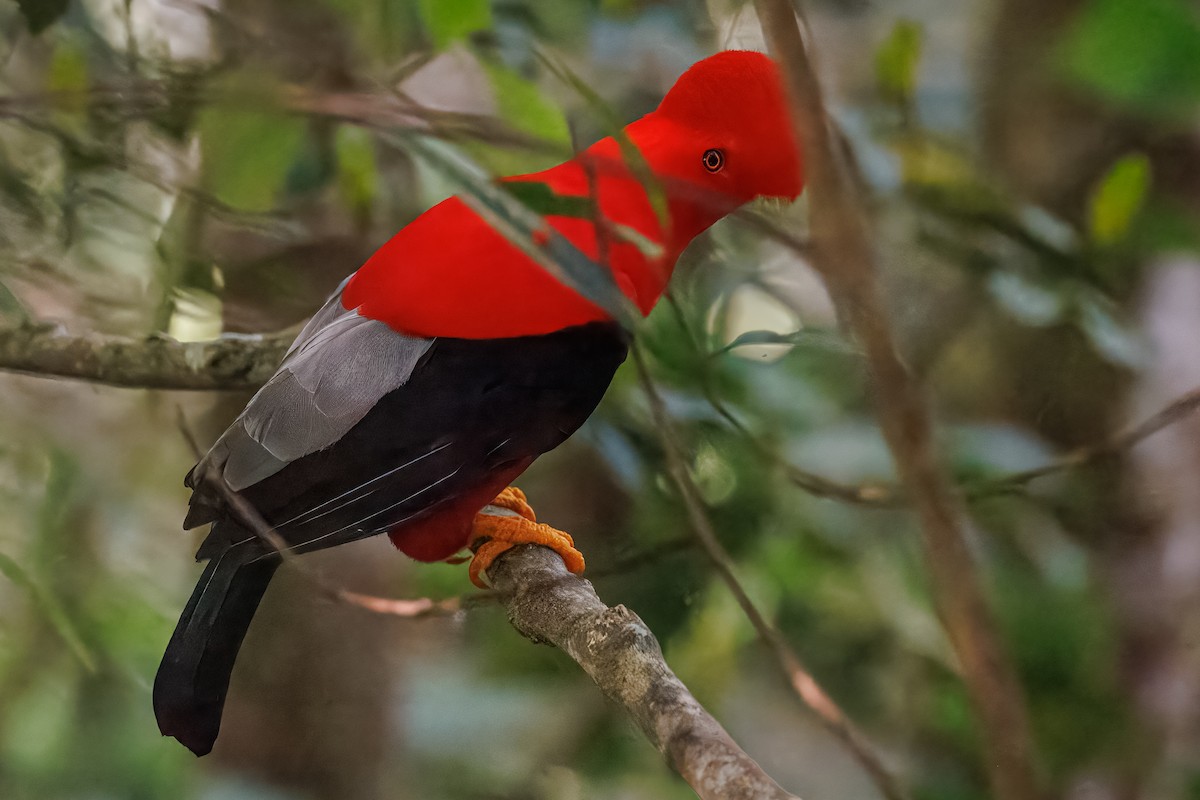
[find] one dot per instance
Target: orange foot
(508, 521)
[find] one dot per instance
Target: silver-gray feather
(338, 368)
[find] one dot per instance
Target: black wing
(465, 410)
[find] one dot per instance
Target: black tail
(189, 690)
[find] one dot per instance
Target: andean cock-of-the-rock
(451, 360)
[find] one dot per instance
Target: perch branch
(613, 646)
(843, 252)
(617, 651)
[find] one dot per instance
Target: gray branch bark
(231, 362)
(615, 648)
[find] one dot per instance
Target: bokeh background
(1033, 169)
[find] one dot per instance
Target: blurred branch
(392, 112)
(1123, 440)
(231, 362)
(800, 679)
(843, 252)
(879, 495)
(615, 648)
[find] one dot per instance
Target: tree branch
(231, 362)
(617, 651)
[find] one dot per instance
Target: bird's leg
(508, 521)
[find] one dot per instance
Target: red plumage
(448, 273)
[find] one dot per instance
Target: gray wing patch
(336, 371)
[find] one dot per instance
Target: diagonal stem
(843, 252)
(801, 680)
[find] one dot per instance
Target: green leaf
(1118, 198)
(814, 339)
(41, 14)
(1141, 53)
(247, 154)
(451, 20)
(540, 198)
(897, 59)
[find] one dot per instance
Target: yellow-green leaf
(1118, 198)
(67, 75)
(897, 59)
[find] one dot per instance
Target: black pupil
(714, 160)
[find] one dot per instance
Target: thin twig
(803, 683)
(249, 516)
(843, 253)
(891, 496)
(1178, 409)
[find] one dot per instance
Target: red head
(721, 137)
(725, 126)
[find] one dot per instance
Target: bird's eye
(714, 160)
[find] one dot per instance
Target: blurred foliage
(157, 177)
(1140, 54)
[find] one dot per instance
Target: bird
(447, 363)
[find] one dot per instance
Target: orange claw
(503, 531)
